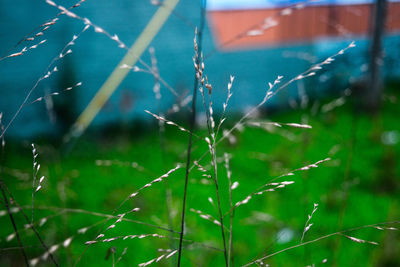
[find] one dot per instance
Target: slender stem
(113, 257)
(230, 257)
(33, 183)
(46, 248)
(192, 121)
(5, 199)
(21, 246)
(219, 205)
(212, 147)
(199, 66)
(230, 244)
(191, 128)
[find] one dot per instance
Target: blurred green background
(358, 186)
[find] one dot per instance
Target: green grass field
(358, 186)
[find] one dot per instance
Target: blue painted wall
(95, 56)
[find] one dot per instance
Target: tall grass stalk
(188, 161)
(232, 214)
(104, 234)
(192, 124)
(211, 143)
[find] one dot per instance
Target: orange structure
(233, 29)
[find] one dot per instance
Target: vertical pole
(374, 94)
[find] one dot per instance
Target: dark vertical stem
(191, 128)
(46, 248)
(21, 246)
(376, 59)
(6, 203)
(192, 122)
